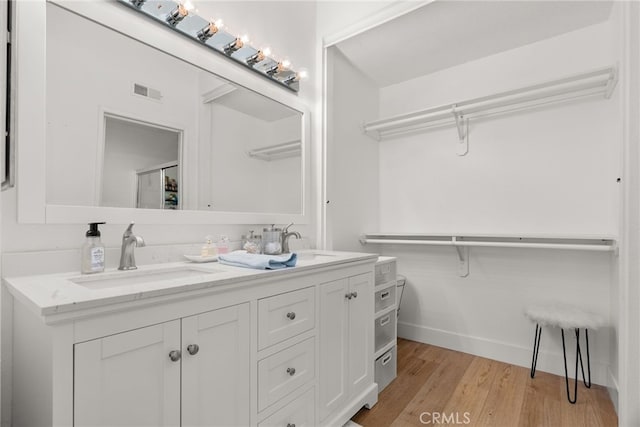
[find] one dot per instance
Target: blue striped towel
(259, 261)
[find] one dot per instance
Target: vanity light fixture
(210, 33)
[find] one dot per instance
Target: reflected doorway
(141, 165)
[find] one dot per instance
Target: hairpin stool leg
(536, 348)
(566, 373)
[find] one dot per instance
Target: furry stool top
(563, 316)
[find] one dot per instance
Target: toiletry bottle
(93, 251)
(223, 245)
(209, 248)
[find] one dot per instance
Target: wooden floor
(436, 386)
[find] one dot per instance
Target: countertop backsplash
(48, 262)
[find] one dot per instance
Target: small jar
(252, 243)
(271, 240)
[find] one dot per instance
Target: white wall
(549, 171)
(627, 295)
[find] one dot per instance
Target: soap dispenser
(93, 250)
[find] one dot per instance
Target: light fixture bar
(181, 17)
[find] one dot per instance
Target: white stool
(564, 317)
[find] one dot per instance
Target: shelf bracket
(463, 258)
(611, 83)
(462, 124)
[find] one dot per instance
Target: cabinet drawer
(299, 413)
(285, 371)
(283, 316)
(385, 330)
(385, 272)
(385, 298)
(385, 368)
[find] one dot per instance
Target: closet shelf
(585, 243)
(463, 242)
(277, 151)
(596, 83)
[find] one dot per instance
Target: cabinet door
(334, 328)
(128, 379)
(215, 377)
(360, 333)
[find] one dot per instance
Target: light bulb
(286, 63)
(303, 74)
(207, 32)
(244, 38)
(188, 5)
(266, 51)
(218, 23)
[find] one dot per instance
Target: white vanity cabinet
(346, 343)
(234, 348)
(192, 371)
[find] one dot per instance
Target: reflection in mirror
(119, 112)
(134, 152)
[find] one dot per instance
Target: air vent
(147, 92)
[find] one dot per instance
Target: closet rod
(598, 82)
(605, 246)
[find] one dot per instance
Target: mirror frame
(31, 118)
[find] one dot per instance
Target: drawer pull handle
(348, 296)
(291, 425)
(291, 315)
(385, 295)
(291, 371)
(174, 355)
(193, 349)
(386, 359)
(354, 294)
(385, 320)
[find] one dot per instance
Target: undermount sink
(314, 256)
(124, 278)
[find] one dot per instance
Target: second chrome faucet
(129, 243)
(286, 234)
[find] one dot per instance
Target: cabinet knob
(291, 371)
(291, 425)
(174, 355)
(354, 294)
(193, 349)
(291, 315)
(348, 296)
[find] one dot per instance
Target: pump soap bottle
(93, 250)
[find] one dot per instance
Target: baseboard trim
(612, 388)
(496, 350)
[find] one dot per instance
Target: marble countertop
(51, 294)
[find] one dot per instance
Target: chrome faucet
(285, 238)
(129, 242)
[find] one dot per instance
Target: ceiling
(447, 33)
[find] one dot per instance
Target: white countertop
(56, 293)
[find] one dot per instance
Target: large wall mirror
(136, 125)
